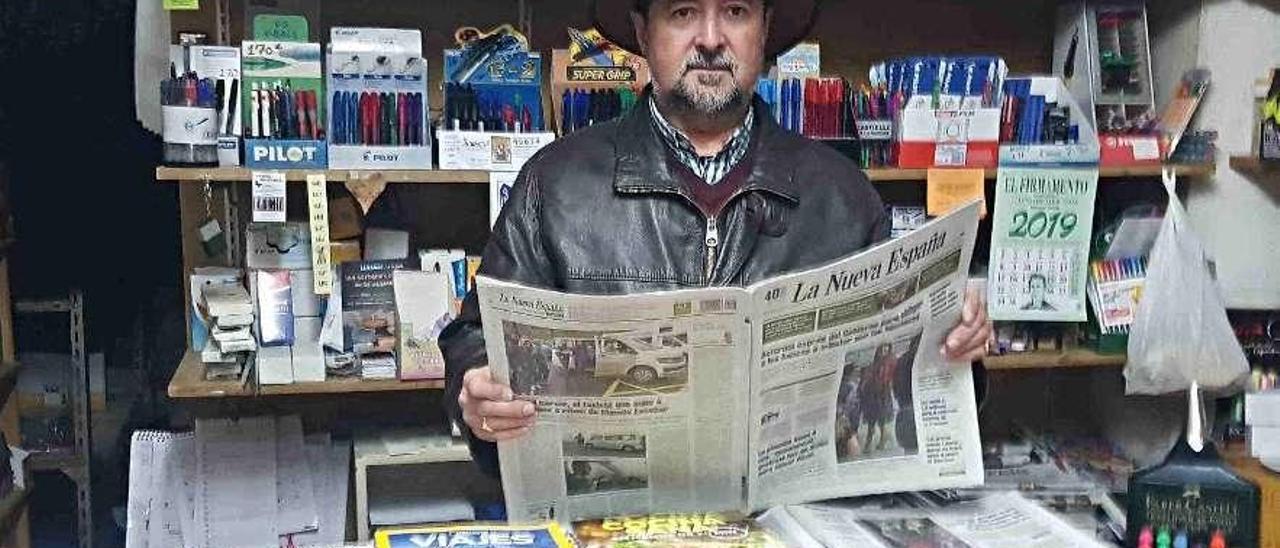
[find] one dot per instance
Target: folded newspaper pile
(999, 520)
(809, 386)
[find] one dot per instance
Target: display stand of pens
(1115, 287)
(378, 107)
(281, 112)
(471, 108)
(856, 121)
(582, 108)
(1028, 118)
(189, 106)
(281, 100)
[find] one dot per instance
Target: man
(696, 186)
(1037, 286)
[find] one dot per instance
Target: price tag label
(268, 197)
(318, 218)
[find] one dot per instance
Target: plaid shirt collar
(711, 169)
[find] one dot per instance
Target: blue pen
(785, 105)
(338, 130)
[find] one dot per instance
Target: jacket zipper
(713, 242)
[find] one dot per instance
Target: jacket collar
(642, 168)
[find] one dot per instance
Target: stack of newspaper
(997, 520)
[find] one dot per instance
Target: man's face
(704, 55)
(1036, 285)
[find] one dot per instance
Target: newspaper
(820, 384)
(997, 521)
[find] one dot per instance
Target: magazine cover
(673, 531)
(549, 535)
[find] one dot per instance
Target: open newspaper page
(850, 394)
(1004, 520)
(641, 400)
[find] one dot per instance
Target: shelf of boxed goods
(1068, 359)
(426, 176)
(188, 382)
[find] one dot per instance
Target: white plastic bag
(1181, 333)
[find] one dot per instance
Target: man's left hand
(969, 340)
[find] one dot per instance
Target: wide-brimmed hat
(792, 20)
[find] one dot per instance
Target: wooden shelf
(883, 175)
(189, 382)
(48, 462)
(1253, 165)
(1076, 358)
(240, 174)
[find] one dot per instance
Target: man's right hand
(490, 409)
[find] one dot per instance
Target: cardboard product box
(933, 138)
(308, 356)
(305, 301)
(275, 365)
(1262, 408)
(345, 220)
(346, 251)
(278, 246)
(386, 67)
(287, 78)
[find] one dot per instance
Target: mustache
(702, 60)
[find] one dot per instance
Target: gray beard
(706, 107)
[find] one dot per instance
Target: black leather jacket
(601, 212)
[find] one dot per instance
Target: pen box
(937, 138)
(284, 115)
(489, 151)
(378, 100)
(1083, 150)
(493, 84)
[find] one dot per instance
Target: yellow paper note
(318, 215)
(951, 188)
(174, 5)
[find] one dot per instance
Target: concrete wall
(1237, 217)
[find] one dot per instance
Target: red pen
(370, 115)
(300, 102)
(313, 115)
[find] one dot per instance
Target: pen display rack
(947, 108)
(202, 123)
(1042, 123)
(593, 81)
(1102, 53)
(493, 105)
(283, 116)
(378, 100)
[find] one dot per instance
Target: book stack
(1262, 415)
(369, 315)
(231, 339)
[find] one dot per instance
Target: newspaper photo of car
(588, 444)
(875, 415)
(595, 476)
(561, 363)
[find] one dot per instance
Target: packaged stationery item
(493, 116)
(378, 99)
(283, 113)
